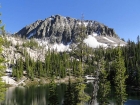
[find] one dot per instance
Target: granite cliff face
(64, 29)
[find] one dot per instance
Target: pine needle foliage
(120, 77)
(2, 67)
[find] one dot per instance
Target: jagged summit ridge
(64, 29)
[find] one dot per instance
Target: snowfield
(94, 34)
(92, 42)
(60, 47)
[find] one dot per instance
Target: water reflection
(38, 95)
(33, 95)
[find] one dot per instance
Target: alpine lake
(39, 94)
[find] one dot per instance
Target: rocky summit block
(64, 29)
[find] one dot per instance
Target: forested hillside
(117, 67)
(61, 64)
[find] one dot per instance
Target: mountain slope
(59, 28)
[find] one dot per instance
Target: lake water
(38, 95)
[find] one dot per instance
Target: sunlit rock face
(58, 33)
(59, 29)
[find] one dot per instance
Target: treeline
(56, 64)
(132, 62)
(61, 64)
(131, 56)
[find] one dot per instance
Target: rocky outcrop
(16, 50)
(64, 29)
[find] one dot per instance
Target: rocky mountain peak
(60, 29)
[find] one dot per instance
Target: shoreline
(24, 81)
(9, 80)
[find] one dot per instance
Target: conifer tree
(30, 67)
(40, 69)
(2, 67)
(27, 63)
(20, 67)
(47, 62)
(104, 85)
(2, 84)
(79, 71)
(80, 52)
(80, 96)
(69, 94)
(53, 99)
(137, 75)
(120, 77)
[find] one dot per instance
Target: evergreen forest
(117, 67)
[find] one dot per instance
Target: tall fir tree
(69, 94)
(2, 67)
(53, 98)
(2, 84)
(80, 96)
(120, 77)
(104, 85)
(20, 67)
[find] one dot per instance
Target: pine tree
(104, 85)
(53, 99)
(20, 67)
(79, 71)
(40, 69)
(47, 63)
(120, 77)
(80, 96)
(27, 63)
(80, 52)
(137, 75)
(32, 69)
(2, 84)
(69, 94)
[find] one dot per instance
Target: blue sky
(122, 15)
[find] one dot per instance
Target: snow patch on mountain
(92, 42)
(94, 34)
(85, 23)
(108, 39)
(58, 47)
(31, 34)
(51, 18)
